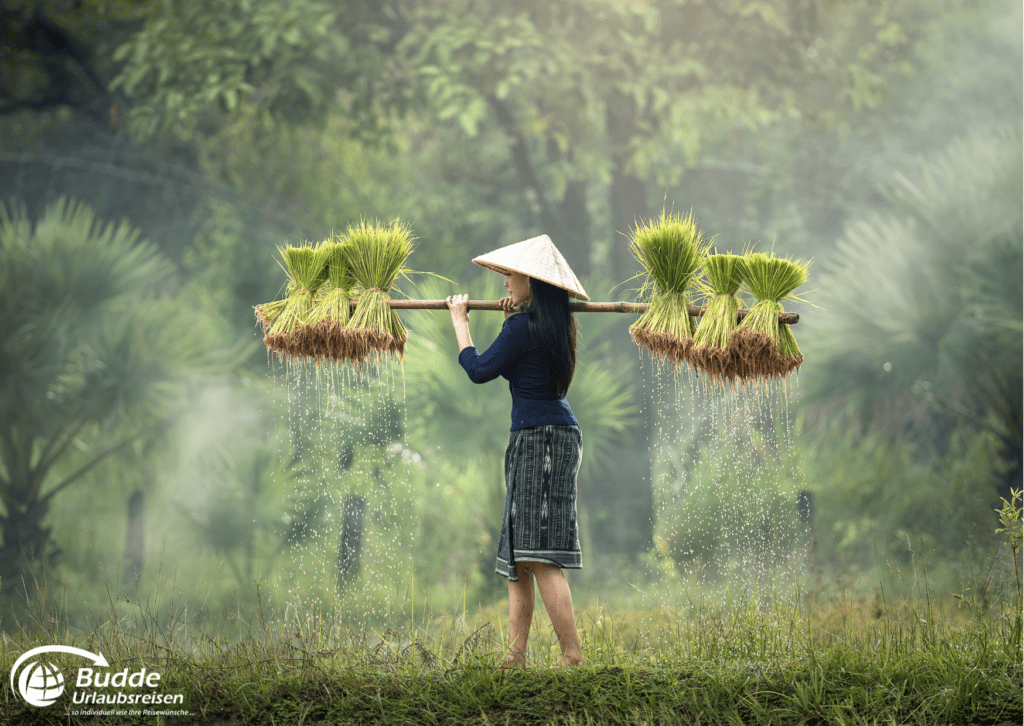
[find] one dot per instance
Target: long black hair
(553, 326)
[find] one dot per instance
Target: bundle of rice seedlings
(267, 313)
(790, 356)
(761, 345)
(324, 326)
(306, 268)
(377, 255)
(710, 351)
(670, 249)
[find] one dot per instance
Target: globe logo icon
(41, 684)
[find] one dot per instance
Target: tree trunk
(628, 193)
(350, 544)
(565, 220)
(26, 546)
(572, 218)
(135, 541)
(627, 200)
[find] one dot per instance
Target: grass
(744, 661)
(760, 657)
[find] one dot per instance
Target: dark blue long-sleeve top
(513, 356)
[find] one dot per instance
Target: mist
(266, 483)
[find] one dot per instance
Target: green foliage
(194, 57)
(243, 510)
(1012, 531)
(730, 512)
(761, 345)
(722, 274)
(62, 278)
(681, 76)
(879, 498)
(93, 358)
(1010, 519)
(309, 183)
(560, 102)
(922, 310)
(59, 56)
(737, 663)
(539, 102)
(772, 278)
(606, 408)
(692, 67)
(927, 301)
(379, 252)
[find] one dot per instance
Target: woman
(536, 353)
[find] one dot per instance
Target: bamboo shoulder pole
(577, 307)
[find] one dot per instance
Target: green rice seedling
(307, 272)
(377, 257)
(267, 313)
(762, 346)
(790, 356)
(710, 351)
(324, 326)
(671, 250)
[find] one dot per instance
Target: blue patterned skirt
(539, 522)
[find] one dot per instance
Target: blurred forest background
(154, 153)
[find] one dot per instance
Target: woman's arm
(510, 345)
(460, 319)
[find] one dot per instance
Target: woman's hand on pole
(459, 307)
(507, 307)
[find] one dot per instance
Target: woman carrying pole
(536, 353)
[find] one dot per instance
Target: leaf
(292, 36)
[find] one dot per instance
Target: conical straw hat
(537, 257)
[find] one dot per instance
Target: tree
(93, 358)
(588, 94)
(245, 508)
(192, 60)
(54, 56)
(922, 306)
(578, 108)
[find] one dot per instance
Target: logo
(129, 693)
(40, 683)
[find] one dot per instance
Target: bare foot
(570, 661)
(513, 661)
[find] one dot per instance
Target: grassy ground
(903, 662)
